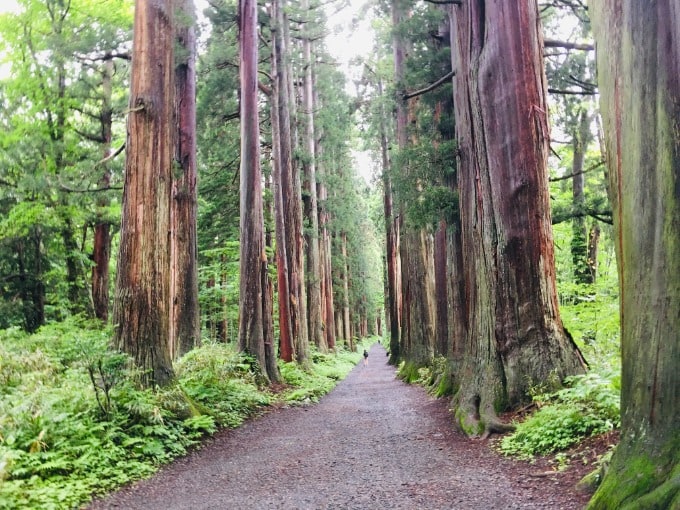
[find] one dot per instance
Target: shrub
(589, 405)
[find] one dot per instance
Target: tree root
(493, 425)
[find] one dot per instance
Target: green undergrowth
(587, 406)
(74, 424)
(307, 385)
(435, 377)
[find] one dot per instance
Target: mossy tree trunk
(639, 76)
(515, 337)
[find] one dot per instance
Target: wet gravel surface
(372, 443)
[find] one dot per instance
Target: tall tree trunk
(185, 321)
(281, 156)
(515, 336)
(74, 277)
(401, 122)
(346, 318)
(457, 293)
(101, 252)
(441, 290)
(391, 243)
(639, 77)
(416, 244)
(223, 319)
(31, 284)
(142, 300)
(288, 201)
(311, 202)
(579, 241)
(328, 305)
(256, 334)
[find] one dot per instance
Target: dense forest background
(340, 258)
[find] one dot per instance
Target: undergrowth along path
(373, 442)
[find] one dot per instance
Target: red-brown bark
(101, 250)
(256, 335)
(515, 336)
(185, 318)
(309, 168)
(141, 311)
(288, 208)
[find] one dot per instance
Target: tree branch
(444, 2)
(408, 95)
(603, 216)
(572, 92)
(110, 156)
(90, 136)
(569, 176)
(264, 89)
(68, 189)
(553, 43)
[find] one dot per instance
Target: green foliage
(218, 291)
(53, 101)
(308, 384)
(420, 183)
(436, 377)
(411, 372)
(589, 405)
(73, 422)
(219, 382)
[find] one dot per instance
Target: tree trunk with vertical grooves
(391, 244)
(141, 311)
(346, 317)
(313, 280)
(256, 334)
(457, 309)
(419, 312)
(185, 321)
(441, 290)
(593, 245)
(639, 81)
(515, 337)
(292, 313)
(416, 244)
(579, 240)
(286, 347)
(101, 250)
(328, 306)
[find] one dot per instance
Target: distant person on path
(365, 357)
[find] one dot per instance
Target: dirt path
(374, 442)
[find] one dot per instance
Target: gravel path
(372, 443)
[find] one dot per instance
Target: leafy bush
(589, 405)
(219, 381)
